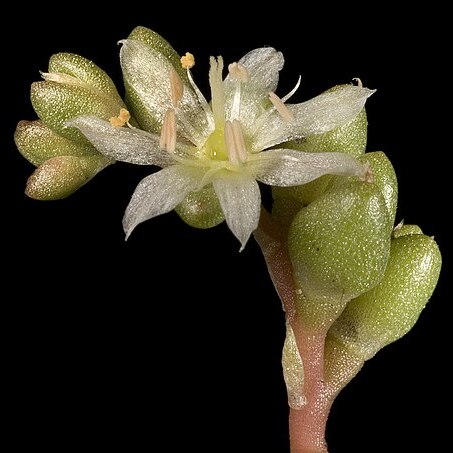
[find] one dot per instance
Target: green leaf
(383, 176)
(404, 230)
(339, 247)
(38, 143)
(387, 312)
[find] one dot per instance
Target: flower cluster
(227, 144)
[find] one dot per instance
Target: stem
(306, 425)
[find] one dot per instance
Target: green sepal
(201, 209)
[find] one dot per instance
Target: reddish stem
(307, 425)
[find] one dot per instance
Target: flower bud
(60, 176)
(38, 143)
(74, 86)
(201, 209)
(388, 311)
(133, 100)
(339, 247)
(85, 71)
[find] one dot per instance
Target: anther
(121, 120)
(239, 72)
(284, 111)
(234, 141)
(176, 87)
(168, 133)
(188, 61)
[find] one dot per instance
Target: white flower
(225, 142)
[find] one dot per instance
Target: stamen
(176, 87)
(284, 111)
(168, 133)
(285, 98)
(217, 91)
(239, 141)
(239, 72)
(230, 142)
(202, 99)
(234, 141)
(188, 61)
(121, 120)
(359, 82)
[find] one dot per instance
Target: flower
(229, 142)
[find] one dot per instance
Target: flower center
(226, 142)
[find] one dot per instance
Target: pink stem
(307, 425)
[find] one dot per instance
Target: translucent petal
(147, 73)
(121, 143)
(240, 199)
(159, 193)
(263, 66)
(321, 114)
(287, 167)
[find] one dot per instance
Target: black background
(172, 341)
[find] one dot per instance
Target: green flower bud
(85, 71)
(201, 209)
(156, 42)
(404, 230)
(383, 176)
(339, 247)
(37, 143)
(133, 100)
(60, 176)
(350, 138)
(74, 86)
(55, 103)
(387, 312)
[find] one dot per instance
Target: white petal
(240, 199)
(318, 115)
(330, 110)
(263, 66)
(287, 167)
(159, 193)
(121, 143)
(147, 71)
